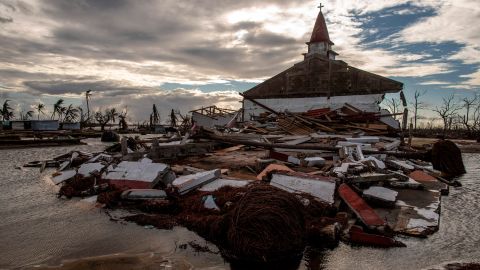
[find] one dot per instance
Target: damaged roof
(316, 76)
(320, 30)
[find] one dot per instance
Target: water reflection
(37, 228)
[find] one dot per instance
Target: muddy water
(36, 229)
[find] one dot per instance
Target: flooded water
(36, 229)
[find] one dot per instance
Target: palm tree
(6, 110)
(58, 109)
(71, 114)
(112, 113)
(40, 107)
(26, 116)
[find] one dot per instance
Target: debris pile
(344, 119)
(264, 190)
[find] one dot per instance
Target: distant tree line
(67, 113)
(455, 114)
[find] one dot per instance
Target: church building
(319, 81)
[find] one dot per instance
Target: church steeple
(320, 42)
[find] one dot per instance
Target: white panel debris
(186, 183)
(143, 194)
(378, 163)
(209, 203)
(293, 160)
(64, 165)
(100, 157)
(401, 164)
(322, 189)
(314, 161)
(64, 176)
(88, 168)
(381, 193)
(137, 171)
(145, 160)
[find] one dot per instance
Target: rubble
(263, 190)
(310, 159)
(362, 210)
(384, 196)
(135, 174)
(322, 188)
(187, 183)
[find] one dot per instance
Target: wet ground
(36, 228)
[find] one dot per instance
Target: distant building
(20, 125)
(213, 116)
(44, 125)
(71, 126)
(319, 81)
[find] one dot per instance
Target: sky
(183, 55)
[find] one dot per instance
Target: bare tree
(468, 104)
(87, 97)
(393, 105)
(103, 118)
(154, 116)
(447, 111)
(123, 122)
(417, 105)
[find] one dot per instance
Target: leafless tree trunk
(468, 103)
(393, 106)
(447, 111)
(417, 105)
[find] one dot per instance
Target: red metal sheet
(320, 31)
(131, 184)
(421, 176)
(363, 211)
(358, 236)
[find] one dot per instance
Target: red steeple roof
(320, 31)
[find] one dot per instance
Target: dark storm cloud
(161, 31)
(184, 40)
(62, 87)
(5, 20)
(269, 39)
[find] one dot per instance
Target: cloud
(455, 21)
(125, 50)
(183, 100)
(473, 78)
(5, 20)
(434, 82)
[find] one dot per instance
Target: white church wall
(368, 103)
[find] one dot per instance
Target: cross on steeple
(320, 6)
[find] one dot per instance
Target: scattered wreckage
(262, 192)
